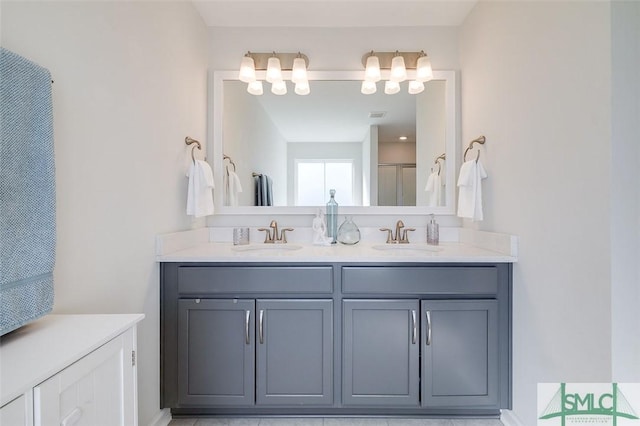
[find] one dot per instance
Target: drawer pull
(246, 327)
(414, 333)
(72, 418)
(261, 326)
(428, 328)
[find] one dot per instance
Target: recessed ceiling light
(403, 138)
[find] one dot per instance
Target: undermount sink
(267, 247)
(407, 248)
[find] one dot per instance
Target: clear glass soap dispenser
(332, 217)
(433, 232)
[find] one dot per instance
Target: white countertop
(361, 252)
(40, 349)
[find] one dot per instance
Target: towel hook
(226, 157)
(480, 140)
(190, 141)
(442, 157)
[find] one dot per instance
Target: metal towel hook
(442, 157)
(480, 140)
(191, 141)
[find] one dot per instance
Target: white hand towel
(233, 188)
(199, 194)
(434, 187)
(470, 190)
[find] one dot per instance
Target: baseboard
(162, 418)
(509, 419)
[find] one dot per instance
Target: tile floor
(329, 422)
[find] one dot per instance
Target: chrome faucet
(401, 236)
(272, 236)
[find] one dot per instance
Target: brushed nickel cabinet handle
(414, 334)
(261, 326)
(428, 328)
(247, 338)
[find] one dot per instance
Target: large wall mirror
(377, 151)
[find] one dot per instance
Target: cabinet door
(99, 389)
(216, 352)
(381, 349)
(460, 353)
(294, 352)
(18, 412)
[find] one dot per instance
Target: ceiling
(333, 13)
(336, 111)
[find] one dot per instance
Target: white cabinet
(70, 370)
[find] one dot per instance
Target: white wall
(256, 148)
(130, 84)
(536, 81)
(625, 193)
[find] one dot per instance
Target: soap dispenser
(433, 232)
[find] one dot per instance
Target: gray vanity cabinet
(216, 352)
(381, 352)
(222, 350)
(459, 353)
(294, 352)
(345, 339)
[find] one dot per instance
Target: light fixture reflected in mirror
(255, 88)
(279, 88)
(274, 63)
(302, 88)
(391, 87)
(415, 87)
(397, 63)
(368, 88)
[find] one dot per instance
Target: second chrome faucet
(272, 236)
(400, 237)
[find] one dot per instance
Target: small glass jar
(348, 233)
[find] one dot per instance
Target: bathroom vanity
(336, 331)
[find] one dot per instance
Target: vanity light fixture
(372, 69)
(398, 70)
(247, 70)
(274, 71)
(274, 64)
(397, 63)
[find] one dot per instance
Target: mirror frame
(215, 149)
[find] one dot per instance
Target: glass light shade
(398, 70)
(299, 70)
(415, 87)
(302, 88)
(279, 87)
(423, 69)
(368, 88)
(274, 72)
(391, 87)
(247, 70)
(372, 70)
(255, 88)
